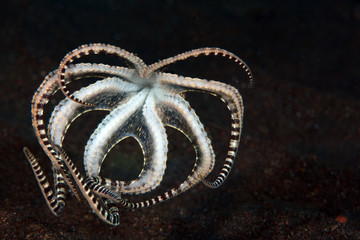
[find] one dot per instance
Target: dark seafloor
(297, 173)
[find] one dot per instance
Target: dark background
(297, 172)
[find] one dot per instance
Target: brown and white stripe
(41, 98)
(56, 202)
(108, 215)
(226, 93)
(93, 49)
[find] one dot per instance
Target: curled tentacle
(226, 93)
(195, 53)
(110, 216)
(88, 49)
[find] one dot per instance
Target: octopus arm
(105, 95)
(227, 94)
(137, 118)
(177, 113)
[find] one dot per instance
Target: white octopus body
(141, 101)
